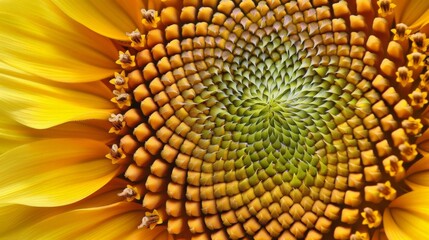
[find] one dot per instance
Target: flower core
(268, 119)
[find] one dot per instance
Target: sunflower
(214, 119)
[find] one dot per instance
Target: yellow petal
(407, 217)
(13, 75)
(54, 172)
(10, 130)
(418, 174)
(414, 13)
(13, 134)
(40, 105)
(38, 38)
(110, 18)
(91, 129)
(20, 217)
(116, 221)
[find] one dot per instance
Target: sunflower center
(265, 120)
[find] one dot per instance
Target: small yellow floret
(404, 76)
(137, 39)
(385, 7)
(116, 154)
(120, 81)
(126, 60)
(412, 126)
(408, 151)
(418, 98)
(121, 98)
(386, 191)
(371, 218)
(401, 32)
(151, 220)
(150, 18)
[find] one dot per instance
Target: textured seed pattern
(268, 119)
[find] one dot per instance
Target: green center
(268, 109)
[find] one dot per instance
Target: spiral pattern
(267, 119)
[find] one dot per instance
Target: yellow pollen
(371, 218)
(408, 151)
(404, 76)
(151, 220)
(126, 60)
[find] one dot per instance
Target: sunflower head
(254, 119)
